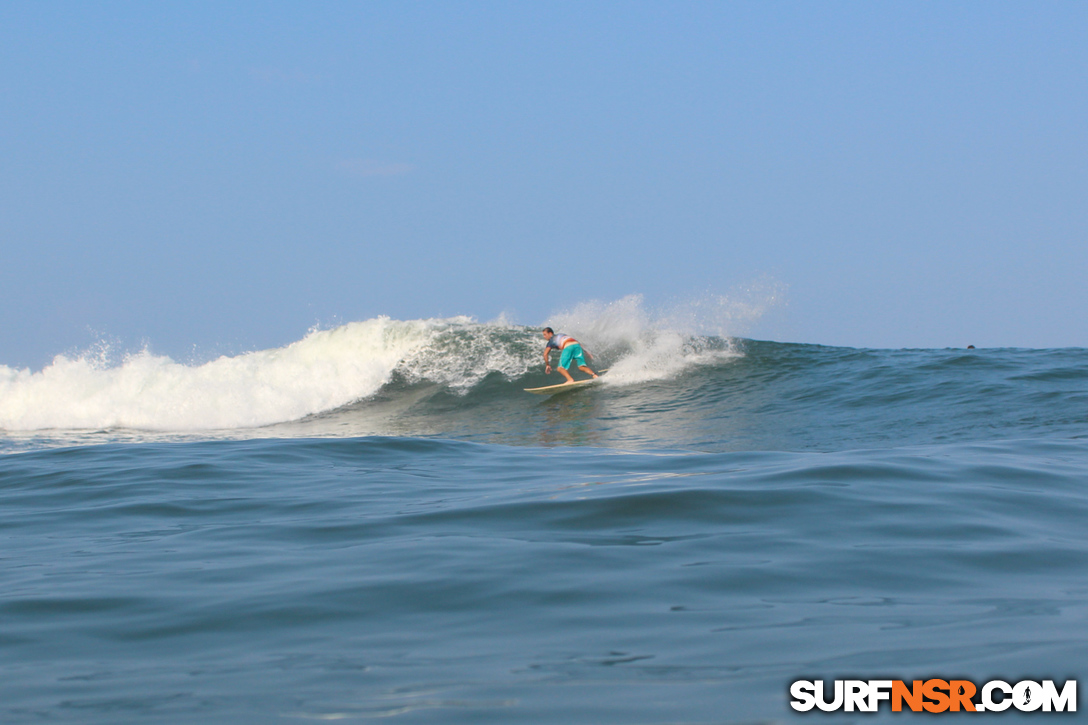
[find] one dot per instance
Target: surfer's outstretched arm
(548, 334)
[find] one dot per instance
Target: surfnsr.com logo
(934, 696)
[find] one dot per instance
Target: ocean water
(377, 523)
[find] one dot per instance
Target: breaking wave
(331, 368)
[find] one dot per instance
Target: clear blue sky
(222, 178)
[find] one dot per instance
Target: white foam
(324, 370)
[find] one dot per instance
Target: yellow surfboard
(563, 387)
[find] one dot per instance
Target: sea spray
(644, 345)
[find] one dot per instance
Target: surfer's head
(547, 332)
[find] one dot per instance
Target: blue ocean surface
(378, 523)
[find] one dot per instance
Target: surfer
(570, 350)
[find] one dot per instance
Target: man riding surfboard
(570, 350)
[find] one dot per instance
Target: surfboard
(563, 387)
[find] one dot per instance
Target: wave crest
(333, 368)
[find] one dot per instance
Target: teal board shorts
(571, 352)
